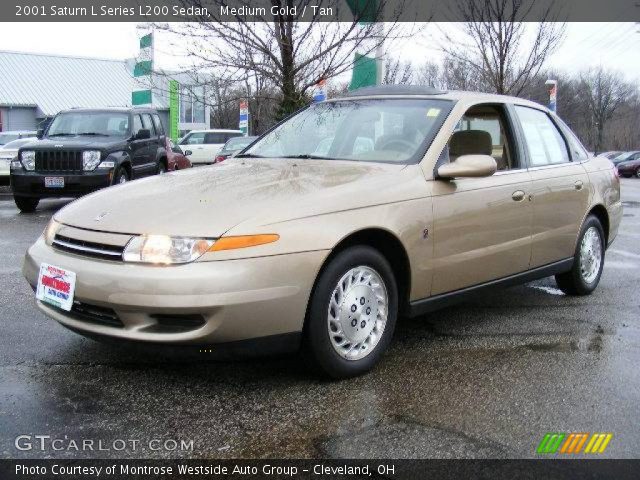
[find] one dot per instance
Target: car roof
(112, 109)
(395, 91)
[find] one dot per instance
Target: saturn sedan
(419, 199)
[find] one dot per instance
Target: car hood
(208, 201)
(73, 143)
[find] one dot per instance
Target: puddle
(593, 344)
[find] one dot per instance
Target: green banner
(365, 72)
(141, 97)
(142, 68)
(174, 109)
(146, 41)
(365, 10)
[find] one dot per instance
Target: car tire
(588, 260)
(638, 172)
(26, 204)
(362, 283)
(162, 169)
(121, 176)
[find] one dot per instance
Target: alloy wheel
(590, 255)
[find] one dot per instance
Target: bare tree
(603, 93)
(290, 55)
(491, 44)
(397, 72)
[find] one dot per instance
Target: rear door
(214, 141)
(139, 153)
(194, 142)
(560, 186)
(482, 226)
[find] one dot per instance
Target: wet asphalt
(484, 379)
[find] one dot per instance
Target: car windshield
(623, 157)
(238, 143)
(7, 137)
(112, 124)
(367, 130)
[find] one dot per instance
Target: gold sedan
(392, 201)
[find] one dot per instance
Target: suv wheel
(26, 204)
(584, 276)
(352, 313)
(121, 176)
(161, 168)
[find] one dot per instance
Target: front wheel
(352, 313)
(638, 172)
(26, 204)
(120, 176)
(588, 262)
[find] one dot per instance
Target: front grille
(58, 161)
(88, 249)
(93, 314)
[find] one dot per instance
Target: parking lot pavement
(487, 378)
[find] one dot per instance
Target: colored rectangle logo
(573, 443)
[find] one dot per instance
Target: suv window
(215, 138)
(193, 139)
(148, 124)
(545, 144)
(137, 124)
(483, 130)
(158, 124)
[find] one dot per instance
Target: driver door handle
(518, 195)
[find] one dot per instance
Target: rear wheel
(162, 168)
(584, 276)
(26, 204)
(121, 176)
(638, 172)
(352, 313)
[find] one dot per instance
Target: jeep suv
(84, 150)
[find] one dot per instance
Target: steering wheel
(405, 145)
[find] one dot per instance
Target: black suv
(83, 150)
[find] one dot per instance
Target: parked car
(630, 167)
(233, 146)
(623, 157)
(281, 249)
(610, 155)
(176, 157)
(84, 150)
(205, 144)
(8, 153)
(10, 136)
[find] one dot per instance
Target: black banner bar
(569, 469)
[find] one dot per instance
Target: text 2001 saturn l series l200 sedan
(419, 198)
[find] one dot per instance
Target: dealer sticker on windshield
(56, 286)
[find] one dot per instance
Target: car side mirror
(143, 134)
(469, 166)
(40, 133)
(187, 153)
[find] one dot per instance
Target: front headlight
(163, 249)
(28, 158)
(90, 159)
(50, 231)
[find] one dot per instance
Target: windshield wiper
(306, 156)
(249, 155)
(64, 134)
(94, 134)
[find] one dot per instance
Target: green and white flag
(143, 68)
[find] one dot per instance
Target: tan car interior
(474, 137)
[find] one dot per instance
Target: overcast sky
(612, 45)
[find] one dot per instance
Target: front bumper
(31, 184)
(236, 299)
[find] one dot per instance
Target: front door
(560, 193)
(482, 226)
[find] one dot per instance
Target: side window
(227, 136)
(148, 124)
(137, 124)
(578, 152)
(483, 131)
(215, 138)
(545, 144)
(158, 124)
(193, 139)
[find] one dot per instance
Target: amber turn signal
(242, 241)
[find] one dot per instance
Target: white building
(34, 87)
